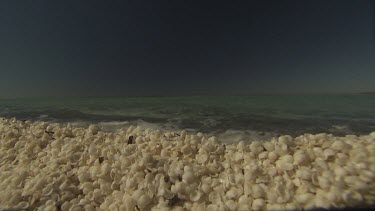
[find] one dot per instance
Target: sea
(231, 118)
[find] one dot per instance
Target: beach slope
(52, 166)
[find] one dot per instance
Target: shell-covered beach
(52, 166)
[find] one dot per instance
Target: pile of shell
(51, 167)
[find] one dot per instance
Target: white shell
(129, 202)
(300, 157)
(195, 196)
(329, 153)
(22, 205)
(202, 158)
(258, 204)
(304, 198)
(281, 149)
(256, 147)
(188, 176)
(231, 205)
(214, 197)
(263, 155)
(186, 150)
(272, 196)
(233, 193)
(285, 163)
(143, 201)
(304, 173)
(238, 156)
(272, 156)
(206, 188)
(90, 169)
(258, 191)
(269, 146)
(179, 187)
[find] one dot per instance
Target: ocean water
(294, 114)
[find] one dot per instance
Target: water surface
(294, 114)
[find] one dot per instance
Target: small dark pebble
(49, 133)
(101, 159)
(130, 140)
(174, 200)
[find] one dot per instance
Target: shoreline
(50, 166)
(224, 135)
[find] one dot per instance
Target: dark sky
(177, 47)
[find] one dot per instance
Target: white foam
(340, 128)
(234, 136)
(114, 125)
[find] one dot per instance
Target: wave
(286, 115)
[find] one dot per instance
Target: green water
(294, 114)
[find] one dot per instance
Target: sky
(142, 48)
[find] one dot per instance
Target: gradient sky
(103, 48)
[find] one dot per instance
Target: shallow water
(294, 114)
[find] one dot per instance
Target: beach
(55, 166)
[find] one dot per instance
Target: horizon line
(194, 95)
